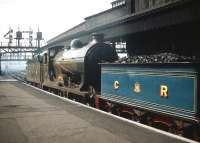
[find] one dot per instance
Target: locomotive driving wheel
(92, 94)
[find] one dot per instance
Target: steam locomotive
(163, 95)
(76, 67)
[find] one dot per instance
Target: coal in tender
(157, 58)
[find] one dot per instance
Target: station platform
(28, 115)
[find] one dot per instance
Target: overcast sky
(52, 16)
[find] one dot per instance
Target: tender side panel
(168, 90)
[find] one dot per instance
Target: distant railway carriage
(33, 71)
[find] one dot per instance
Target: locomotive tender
(165, 88)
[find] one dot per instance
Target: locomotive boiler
(80, 64)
